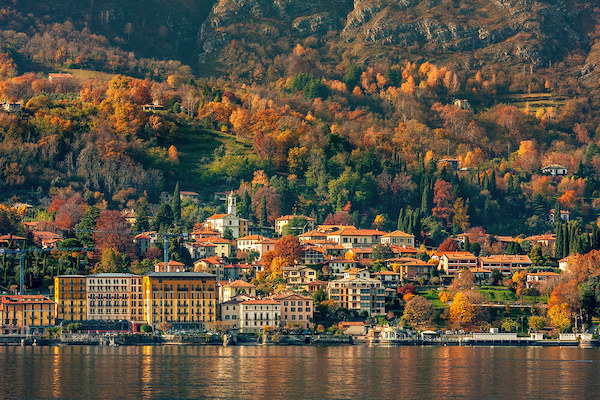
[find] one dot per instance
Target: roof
(358, 232)
(217, 216)
(19, 299)
(314, 232)
(171, 263)
(545, 236)
(342, 260)
(11, 237)
(398, 233)
(142, 236)
(290, 217)
(386, 273)
(180, 275)
(263, 301)
(317, 282)
(457, 254)
(188, 193)
(253, 237)
(289, 295)
(113, 275)
(480, 270)
(543, 273)
(554, 166)
(506, 257)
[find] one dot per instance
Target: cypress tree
(467, 244)
(400, 220)
(176, 207)
(565, 240)
(263, 212)
(493, 182)
(558, 246)
(425, 199)
(557, 213)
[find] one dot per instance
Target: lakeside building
(358, 294)
(296, 309)
(185, 300)
(23, 314)
(115, 297)
(257, 314)
(70, 298)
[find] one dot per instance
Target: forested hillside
(323, 108)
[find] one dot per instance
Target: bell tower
(231, 204)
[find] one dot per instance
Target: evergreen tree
(163, 218)
(263, 212)
(244, 204)
(558, 246)
(565, 240)
(467, 244)
(176, 207)
(492, 184)
(142, 222)
(84, 230)
(400, 220)
(557, 213)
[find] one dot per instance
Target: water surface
(296, 372)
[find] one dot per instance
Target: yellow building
(24, 313)
(70, 297)
(185, 300)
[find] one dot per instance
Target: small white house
(555, 170)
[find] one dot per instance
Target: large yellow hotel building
(185, 300)
(70, 296)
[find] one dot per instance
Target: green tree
(263, 212)
(142, 222)
(176, 208)
(112, 262)
(84, 230)
(557, 213)
(163, 218)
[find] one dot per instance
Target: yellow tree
(461, 218)
(380, 220)
(462, 310)
(560, 316)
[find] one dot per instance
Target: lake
(296, 372)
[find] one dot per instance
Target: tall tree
(176, 204)
(556, 212)
(263, 212)
(84, 231)
(142, 222)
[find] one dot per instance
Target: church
(221, 222)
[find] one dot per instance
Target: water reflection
(271, 372)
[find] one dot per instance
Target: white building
(256, 314)
(230, 221)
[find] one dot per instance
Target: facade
(189, 195)
(355, 238)
(454, 261)
(412, 269)
(339, 265)
(250, 242)
(221, 222)
(555, 170)
(201, 249)
(565, 215)
(298, 275)
(21, 314)
(505, 263)
(257, 314)
(171, 266)
(228, 289)
(398, 238)
(358, 294)
(389, 279)
(109, 296)
(70, 297)
(295, 309)
(534, 279)
(185, 300)
(283, 221)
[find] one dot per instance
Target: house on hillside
(564, 215)
(284, 221)
(555, 170)
(155, 106)
(398, 238)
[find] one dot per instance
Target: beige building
(222, 222)
(22, 314)
(70, 298)
(398, 238)
(298, 275)
(355, 238)
(228, 289)
(295, 309)
(109, 296)
(505, 263)
(358, 294)
(453, 261)
(284, 221)
(257, 314)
